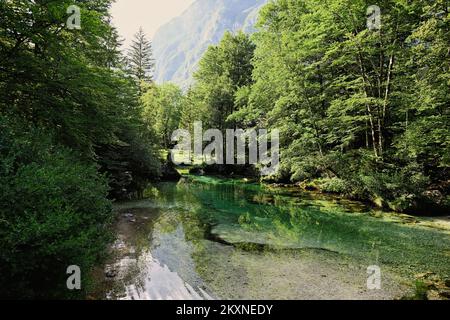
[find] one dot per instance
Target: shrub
(400, 189)
(53, 213)
(335, 185)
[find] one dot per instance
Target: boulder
(169, 173)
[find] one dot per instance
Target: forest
(362, 113)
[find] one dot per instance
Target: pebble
(111, 274)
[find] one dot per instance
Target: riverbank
(433, 201)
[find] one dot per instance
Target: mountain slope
(179, 45)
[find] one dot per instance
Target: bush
(399, 189)
(389, 184)
(129, 164)
(53, 213)
(335, 185)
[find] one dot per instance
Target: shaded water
(209, 238)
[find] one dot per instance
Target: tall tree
(162, 110)
(140, 58)
(353, 104)
(67, 111)
(223, 70)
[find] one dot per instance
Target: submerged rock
(129, 217)
(110, 272)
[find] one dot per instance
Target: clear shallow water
(209, 238)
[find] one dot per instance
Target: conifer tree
(140, 58)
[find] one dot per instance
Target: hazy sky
(129, 15)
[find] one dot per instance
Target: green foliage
(162, 110)
(53, 214)
(74, 82)
(140, 59)
(51, 78)
(335, 185)
(366, 111)
(79, 115)
(223, 71)
(363, 112)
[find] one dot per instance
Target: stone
(110, 272)
(423, 275)
(447, 283)
(445, 294)
(433, 295)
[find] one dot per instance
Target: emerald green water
(209, 238)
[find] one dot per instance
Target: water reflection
(158, 282)
(206, 238)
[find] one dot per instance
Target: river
(211, 238)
